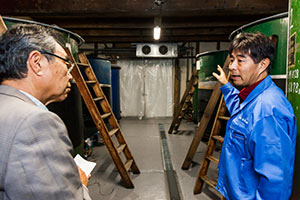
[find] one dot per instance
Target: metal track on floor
(168, 166)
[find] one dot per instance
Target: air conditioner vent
(146, 49)
(156, 50)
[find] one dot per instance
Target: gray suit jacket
(35, 152)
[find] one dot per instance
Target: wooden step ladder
(214, 137)
(208, 112)
(103, 118)
(186, 99)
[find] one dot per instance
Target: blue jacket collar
(255, 92)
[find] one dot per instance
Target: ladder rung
(210, 182)
(98, 98)
(121, 148)
(82, 65)
(104, 85)
(180, 117)
(128, 164)
(191, 93)
(217, 137)
(213, 159)
(91, 82)
(113, 131)
(105, 115)
(224, 118)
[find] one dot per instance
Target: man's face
(58, 76)
(244, 72)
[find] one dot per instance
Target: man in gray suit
(35, 158)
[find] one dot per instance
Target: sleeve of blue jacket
(231, 99)
(273, 166)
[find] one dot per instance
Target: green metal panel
(65, 36)
(208, 62)
(277, 25)
(293, 91)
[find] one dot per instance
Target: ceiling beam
(149, 39)
(141, 23)
(123, 8)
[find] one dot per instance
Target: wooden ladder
(186, 99)
(208, 112)
(103, 118)
(214, 137)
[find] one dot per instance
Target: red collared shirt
(247, 90)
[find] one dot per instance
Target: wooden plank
(213, 159)
(176, 87)
(209, 181)
(128, 164)
(98, 98)
(2, 26)
(219, 138)
(224, 118)
(113, 132)
(121, 148)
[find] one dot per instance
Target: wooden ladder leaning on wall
(103, 118)
(208, 112)
(186, 98)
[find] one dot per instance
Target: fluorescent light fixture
(156, 33)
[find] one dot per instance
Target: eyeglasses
(69, 63)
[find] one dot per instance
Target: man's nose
(70, 76)
(232, 65)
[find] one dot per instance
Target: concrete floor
(144, 141)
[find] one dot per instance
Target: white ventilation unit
(156, 50)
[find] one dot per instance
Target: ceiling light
(156, 33)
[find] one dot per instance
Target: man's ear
(263, 64)
(34, 62)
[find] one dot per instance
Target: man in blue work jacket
(258, 153)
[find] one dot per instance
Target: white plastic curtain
(146, 88)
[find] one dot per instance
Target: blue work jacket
(258, 153)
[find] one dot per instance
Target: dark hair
(17, 43)
(256, 45)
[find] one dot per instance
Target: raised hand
(222, 77)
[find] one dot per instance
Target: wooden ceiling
(132, 21)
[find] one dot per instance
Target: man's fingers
(219, 68)
(215, 75)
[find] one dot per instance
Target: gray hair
(17, 43)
